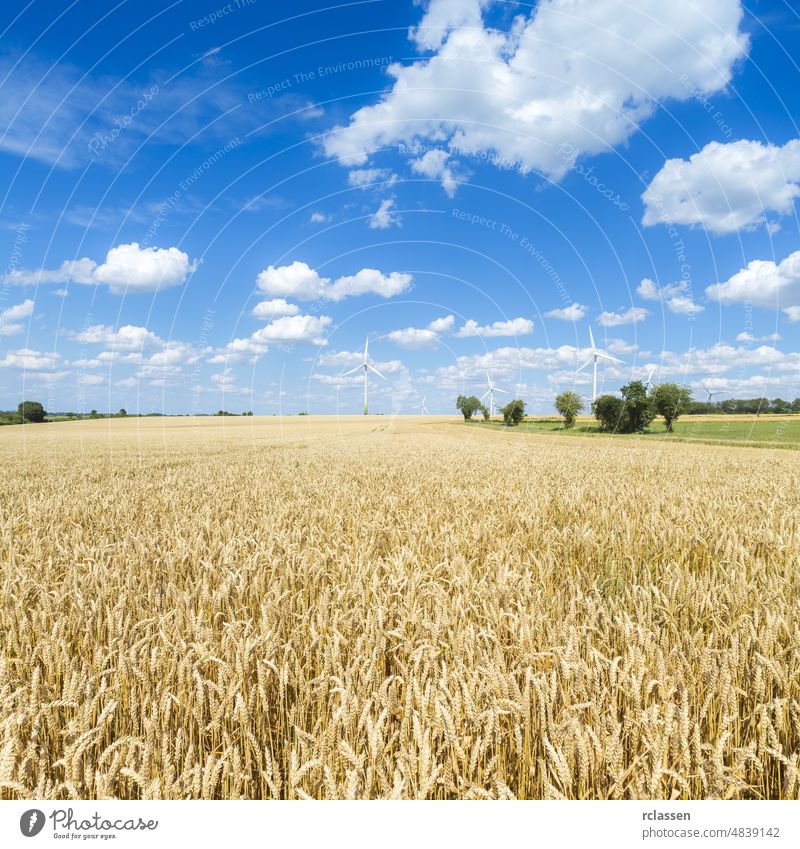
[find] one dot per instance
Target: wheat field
(394, 608)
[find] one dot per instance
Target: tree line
(633, 409)
(745, 405)
(27, 411)
(631, 413)
(513, 412)
(33, 412)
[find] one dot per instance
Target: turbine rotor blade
(588, 362)
(372, 368)
(591, 337)
(352, 371)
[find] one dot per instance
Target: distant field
(404, 607)
(772, 430)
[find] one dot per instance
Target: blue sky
(209, 205)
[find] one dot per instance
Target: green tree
(670, 401)
(513, 412)
(93, 414)
(610, 412)
(569, 404)
(31, 411)
(468, 405)
(639, 410)
(122, 412)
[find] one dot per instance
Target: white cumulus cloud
(363, 177)
(763, 283)
(385, 216)
(127, 269)
(676, 297)
(300, 281)
(580, 73)
(10, 317)
(274, 308)
(629, 316)
(434, 164)
(289, 329)
(415, 338)
(418, 338)
(512, 327)
(127, 338)
(726, 187)
(25, 358)
(574, 312)
(224, 379)
(369, 281)
(443, 325)
(348, 359)
(131, 268)
(295, 328)
(745, 336)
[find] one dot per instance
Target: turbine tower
(423, 410)
(492, 389)
(367, 368)
(597, 354)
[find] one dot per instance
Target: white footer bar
(402, 825)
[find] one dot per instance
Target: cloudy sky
(211, 206)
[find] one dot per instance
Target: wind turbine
(597, 354)
(649, 382)
(423, 410)
(710, 394)
(367, 368)
(492, 389)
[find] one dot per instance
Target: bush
(671, 401)
(610, 412)
(639, 411)
(469, 405)
(31, 411)
(630, 414)
(569, 404)
(513, 412)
